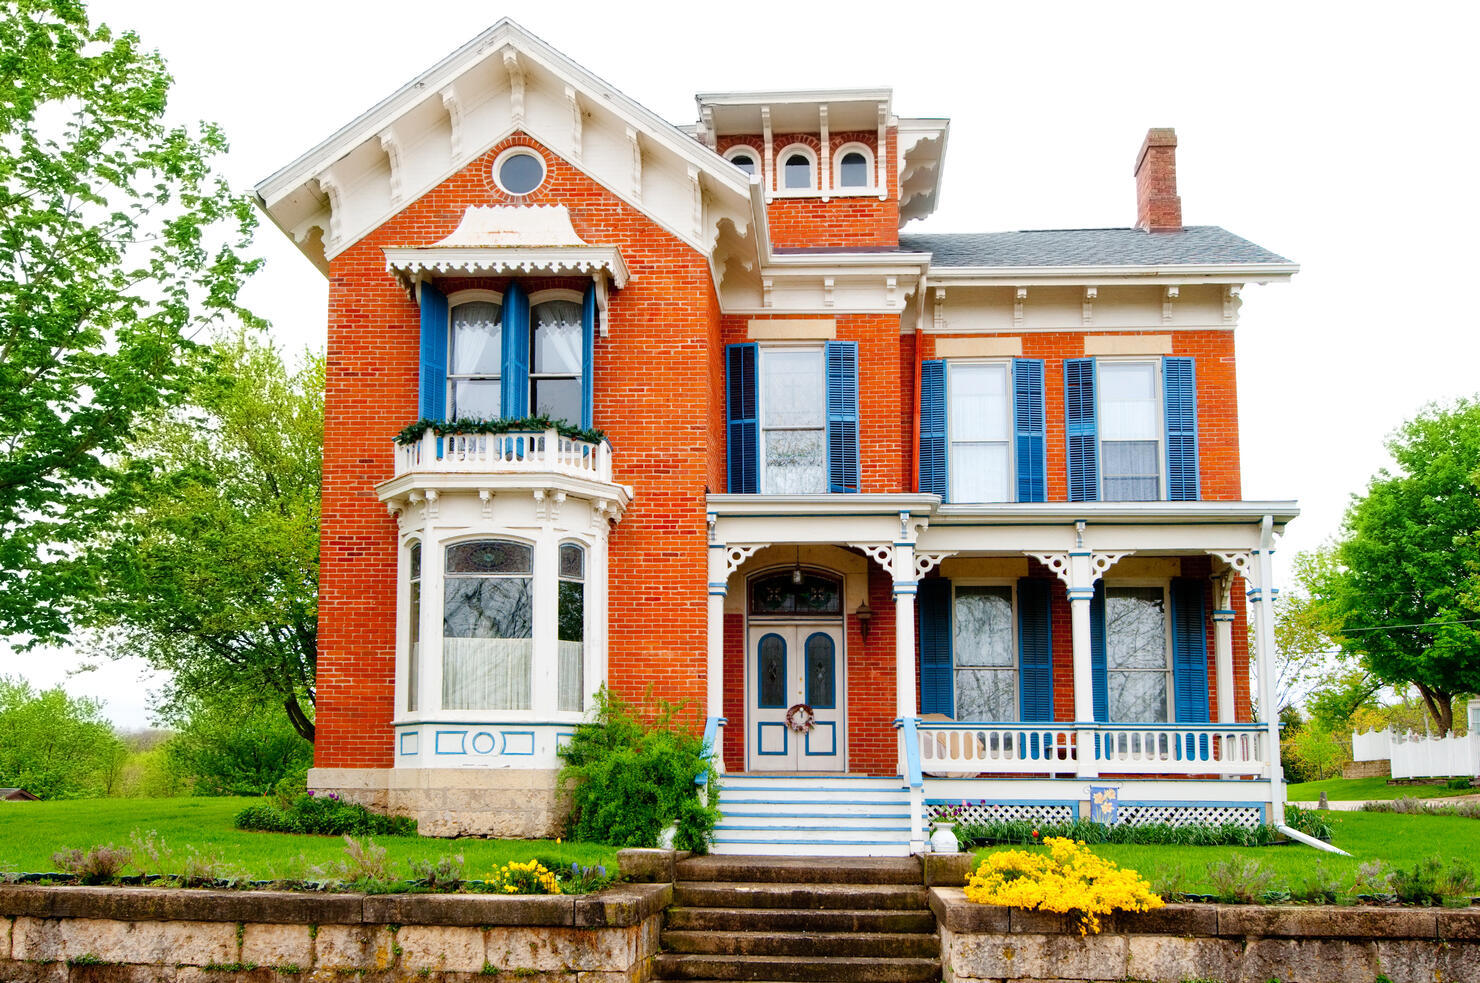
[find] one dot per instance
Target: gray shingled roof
(1196, 245)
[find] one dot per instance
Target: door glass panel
(772, 659)
(821, 670)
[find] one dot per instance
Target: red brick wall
(885, 427)
(873, 745)
(734, 702)
(1217, 403)
(849, 221)
(657, 367)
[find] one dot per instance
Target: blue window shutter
(588, 356)
(933, 470)
(842, 416)
(1030, 430)
(432, 388)
(1189, 651)
(1100, 678)
(741, 438)
(937, 694)
(1079, 429)
(516, 352)
(1035, 650)
(1179, 381)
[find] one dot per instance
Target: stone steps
(778, 920)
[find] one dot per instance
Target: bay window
(571, 627)
(488, 626)
(413, 629)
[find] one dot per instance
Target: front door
(790, 668)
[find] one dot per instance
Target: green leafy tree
(230, 748)
(213, 575)
(1400, 592)
(117, 244)
(54, 745)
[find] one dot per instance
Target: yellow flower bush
(1068, 879)
(531, 877)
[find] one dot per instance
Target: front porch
(1044, 695)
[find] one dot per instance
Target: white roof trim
(413, 262)
(1190, 272)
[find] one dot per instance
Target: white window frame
(535, 300)
(455, 300)
(870, 173)
(1011, 444)
(518, 149)
(811, 190)
(752, 152)
(409, 676)
(586, 592)
(1017, 655)
(1166, 631)
(537, 612)
(1158, 402)
(760, 407)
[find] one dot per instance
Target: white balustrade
(965, 749)
(1426, 756)
(1186, 749)
(545, 452)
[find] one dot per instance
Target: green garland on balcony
(524, 424)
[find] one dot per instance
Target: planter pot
(943, 838)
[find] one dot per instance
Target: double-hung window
(1130, 432)
(1137, 658)
(473, 375)
(980, 396)
(793, 421)
(984, 656)
(571, 627)
(487, 626)
(555, 375)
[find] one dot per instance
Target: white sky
(1340, 136)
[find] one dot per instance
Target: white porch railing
(962, 749)
(545, 452)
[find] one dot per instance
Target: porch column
(1261, 599)
(1223, 644)
(902, 567)
(714, 671)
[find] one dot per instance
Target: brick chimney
(1158, 207)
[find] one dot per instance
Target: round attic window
(519, 171)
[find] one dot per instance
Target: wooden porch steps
(812, 816)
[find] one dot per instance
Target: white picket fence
(1420, 755)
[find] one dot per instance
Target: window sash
(1138, 656)
(979, 427)
(792, 397)
(984, 653)
(1130, 430)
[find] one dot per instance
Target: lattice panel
(981, 812)
(1213, 815)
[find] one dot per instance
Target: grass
(31, 832)
(1400, 841)
(1350, 789)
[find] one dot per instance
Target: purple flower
(334, 796)
(310, 793)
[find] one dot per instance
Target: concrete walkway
(1355, 805)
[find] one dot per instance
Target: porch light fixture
(863, 614)
(796, 572)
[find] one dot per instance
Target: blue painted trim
(461, 735)
(785, 739)
(1081, 593)
(807, 691)
(807, 741)
(518, 733)
(731, 813)
(711, 736)
(492, 742)
(912, 752)
(784, 658)
(414, 739)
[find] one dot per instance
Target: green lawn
(1346, 790)
(30, 832)
(1400, 841)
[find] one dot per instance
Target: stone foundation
(503, 802)
(1367, 769)
(75, 934)
(1222, 943)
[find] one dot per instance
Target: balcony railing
(965, 749)
(530, 452)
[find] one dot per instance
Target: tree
(1305, 654)
(227, 748)
(54, 745)
(117, 245)
(1400, 591)
(213, 574)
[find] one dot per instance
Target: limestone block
(1405, 961)
(1159, 957)
(442, 947)
(23, 972)
(277, 945)
(1308, 961)
(563, 949)
(166, 943)
(353, 947)
(1459, 962)
(1093, 957)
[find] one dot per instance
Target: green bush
(1021, 831)
(1309, 822)
(323, 815)
(1430, 881)
(235, 749)
(629, 780)
(1457, 783)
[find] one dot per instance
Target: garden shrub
(1457, 783)
(1430, 881)
(99, 865)
(1241, 880)
(1407, 805)
(629, 780)
(324, 815)
(1309, 822)
(443, 874)
(1069, 879)
(1025, 831)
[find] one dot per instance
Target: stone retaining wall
(142, 935)
(1223, 943)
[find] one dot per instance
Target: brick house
(906, 520)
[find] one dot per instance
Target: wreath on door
(801, 718)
